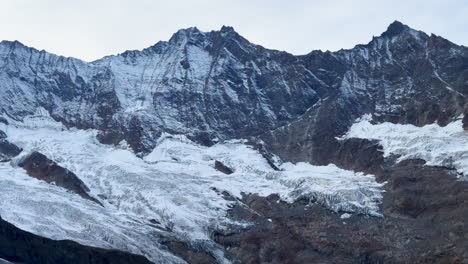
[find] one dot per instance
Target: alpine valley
(210, 149)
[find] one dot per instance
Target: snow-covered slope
(173, 191)
(70, 89)
(182, 85)
(439, 146)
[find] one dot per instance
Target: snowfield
(174, 191)
(438, 146)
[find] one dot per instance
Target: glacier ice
(439, 146)
(173, 191)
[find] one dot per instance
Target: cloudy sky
(91, 29)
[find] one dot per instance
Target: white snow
(438, 146)
(176, 185)
(200, 62)
(345, 216)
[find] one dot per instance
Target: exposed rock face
(8, 150)
(216, 84)
(182, 85)
(402, 76)
(18, 246)
(222, 168)
(40, 167)
(190, 254)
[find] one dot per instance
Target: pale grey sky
(91, 29)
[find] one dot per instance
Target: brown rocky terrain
(425, 210)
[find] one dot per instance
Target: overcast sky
(91, 29)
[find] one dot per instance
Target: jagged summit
(15, 44)
(185, 33)
(396, 35)
(187, 36)
(227, 29)
(16, 47)
(193, 34)
(395, 28)
(227, 32)
(11, 42)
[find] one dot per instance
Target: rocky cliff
(141, 128)
(217, 85)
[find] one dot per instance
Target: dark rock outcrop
(189, 253)
(222, 168)
(110, 136)
(264, 151)
(8, 150)
(359, 155)
(37, 165)
(18, 246)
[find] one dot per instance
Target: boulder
(223, 168)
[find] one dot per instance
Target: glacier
(437, 145)
(174, 191)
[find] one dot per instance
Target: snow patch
(438, 146)
(345, 216)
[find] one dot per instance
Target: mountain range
(218, 150)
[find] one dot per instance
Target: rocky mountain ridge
(170, 102)
(216, 85)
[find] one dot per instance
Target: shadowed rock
(189, 253)
(37, 165)
(110, 137)
(223, 168)
(18, 246)
(8, 150)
